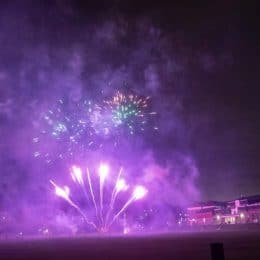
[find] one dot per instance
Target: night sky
(199, 63)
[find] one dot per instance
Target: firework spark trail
(91, 192)
(103, 172)
(120, 186)
(115, 191)
(77, 177)
(139, 192)
(64, 193)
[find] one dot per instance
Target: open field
(237, 245)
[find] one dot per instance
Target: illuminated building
(240, 211)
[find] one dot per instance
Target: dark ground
(237, 245)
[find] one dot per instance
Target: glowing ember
(76, 174)
(139, 192)
(61, 192)
(103, 171)
(121, 185)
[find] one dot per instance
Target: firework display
(129, 112)
(66, 130)
(73, 132)
(70, 130)
(92, 186)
